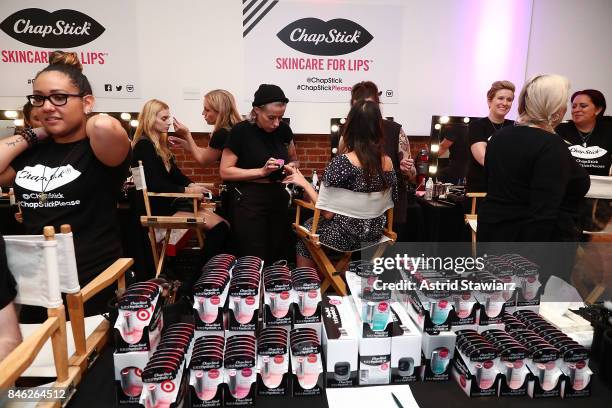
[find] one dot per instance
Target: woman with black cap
(254, 157)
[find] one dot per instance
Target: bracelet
(30, 136)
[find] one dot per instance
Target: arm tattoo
(14, 142)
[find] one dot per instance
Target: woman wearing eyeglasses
(71, 170)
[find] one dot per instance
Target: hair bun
(65, 58)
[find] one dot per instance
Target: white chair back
(34, 265)
(354, 204)
(138, 177)
(601, 187)
(40, 265)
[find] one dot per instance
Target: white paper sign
(315, 52)
(104, 36)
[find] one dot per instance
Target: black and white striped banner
(253, 11)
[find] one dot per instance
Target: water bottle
(315, 180)
(429, 189)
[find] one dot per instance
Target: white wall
(452, 51)
(573, 39)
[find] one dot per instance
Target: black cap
(268, 93)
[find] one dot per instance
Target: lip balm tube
(152, 395)
(129, 382)
(485, 374)
(578, 375)
(369, 313)
(530, 287)
(545, 375)
(199, 386)
(462, 307)
(514, 377)
(266, 365)
(439, 311)
(439, 360)
(129, 322)
(232, 381)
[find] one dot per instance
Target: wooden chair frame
(168, 223)
(332, 273)
(21, 358)
(472, 216)
(87, 348)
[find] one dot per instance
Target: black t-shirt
(480, 130)
(596, 156)
(218, 139)
(254, 146)
(458, 155)
(159, 180)
(81, 191)
(8, 290)
(533, 183)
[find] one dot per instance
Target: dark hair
(68, 64)
(27, 111)
(597, 98)
(363, 134)
(365, 90)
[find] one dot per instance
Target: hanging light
(126, 116)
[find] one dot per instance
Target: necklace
(42, 197)
(497, 126)
(585, 136)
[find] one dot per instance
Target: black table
(442, 222)
(97, 390)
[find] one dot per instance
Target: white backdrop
(317, 54)
(37, 27)
(452, 51)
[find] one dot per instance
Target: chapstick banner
(104, 39)
(316, 51)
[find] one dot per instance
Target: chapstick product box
(374, 361)
(438, 351)
(406, 343)
(139, 319)
(128, 376)
(372, 311)
(340, 342)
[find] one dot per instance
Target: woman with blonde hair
(499, 99)
(534, 186)
(150, 145)
(219, 111)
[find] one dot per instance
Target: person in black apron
(254, 158)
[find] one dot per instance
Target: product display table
(97, 390)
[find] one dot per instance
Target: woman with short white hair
(534, 186)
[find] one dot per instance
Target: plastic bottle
(429, 189)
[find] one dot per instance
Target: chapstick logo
(60, 29)
(317, 37)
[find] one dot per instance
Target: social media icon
(389, 93)
(108, 87)
(118, 87)
(129, 88)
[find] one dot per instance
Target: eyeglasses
(59, 99)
